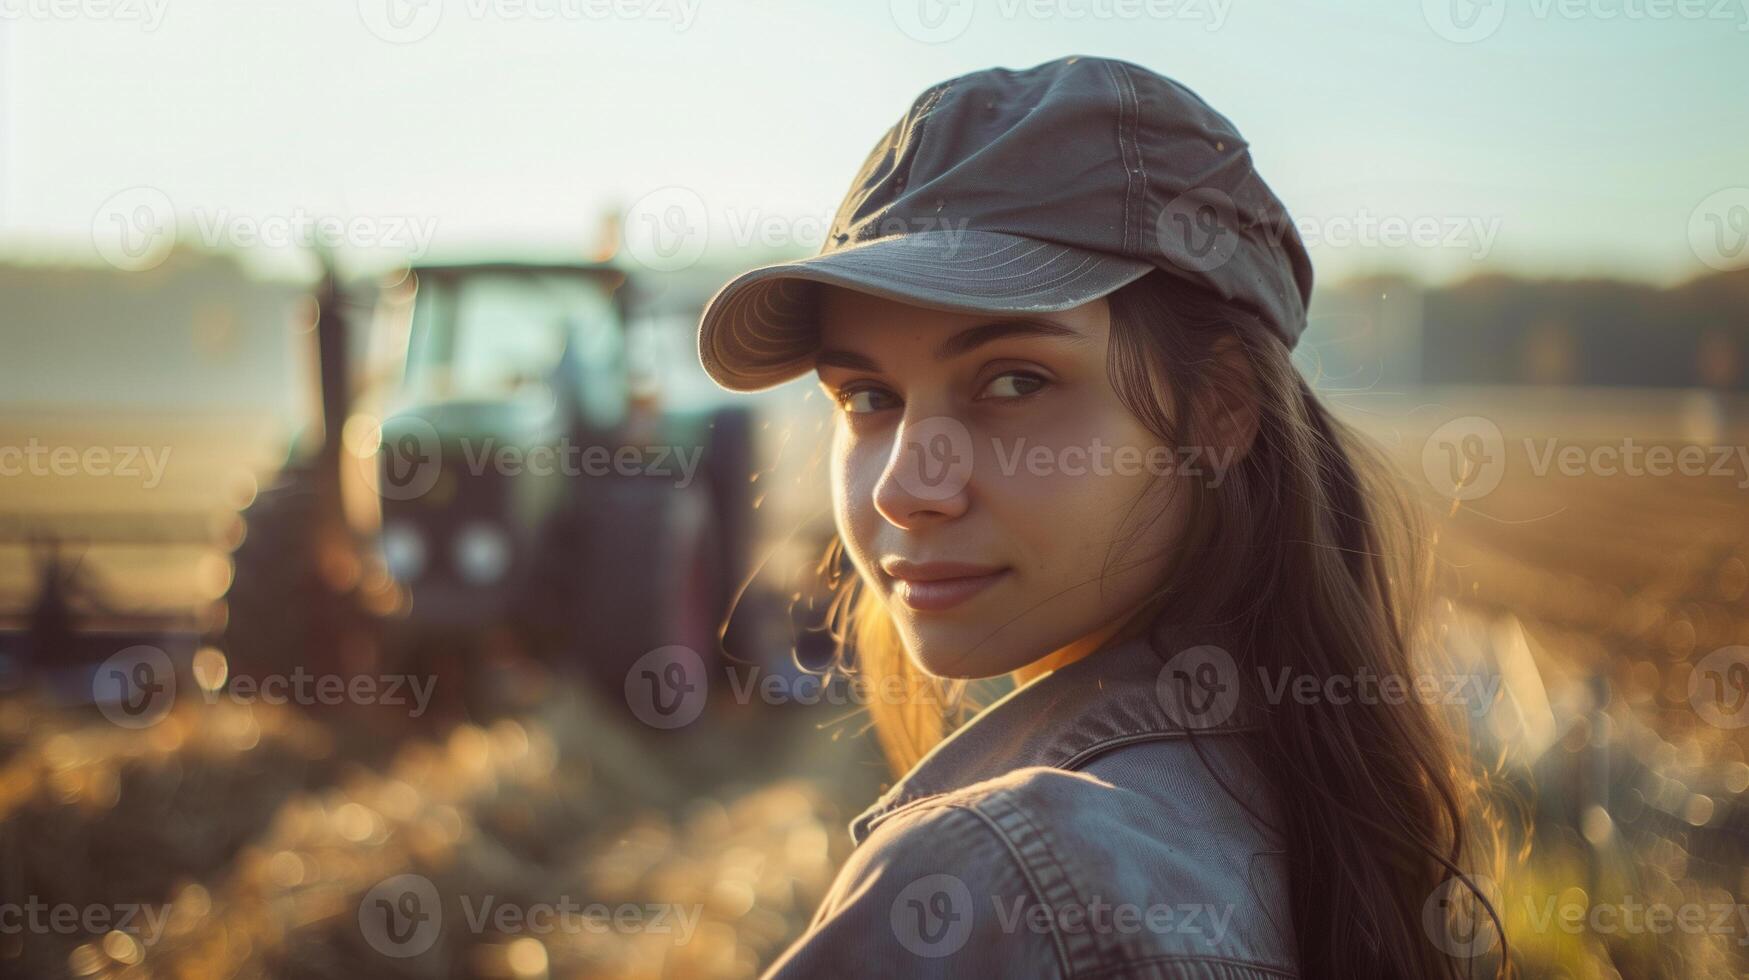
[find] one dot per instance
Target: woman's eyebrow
(965, 340)
(984, 333)
(850, 360)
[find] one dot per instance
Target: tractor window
(511, 337)
(490, 336)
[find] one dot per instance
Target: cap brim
(760, 329)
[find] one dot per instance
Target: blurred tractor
(530, 495)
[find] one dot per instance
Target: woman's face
(986, 479)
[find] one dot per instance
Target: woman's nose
(928, 473)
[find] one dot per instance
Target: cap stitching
(1125, 144)
(1135, 141)
(925, 112)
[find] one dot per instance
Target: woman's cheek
(1070, 505)
(857, 464)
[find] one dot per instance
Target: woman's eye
(861, 401)
(1014, 384)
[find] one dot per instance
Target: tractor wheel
(274, 592)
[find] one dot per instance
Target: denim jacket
(1071, 829)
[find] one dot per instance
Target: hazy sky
(1541, 137)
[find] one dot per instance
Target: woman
(1055, 314)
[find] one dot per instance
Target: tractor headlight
(404, 551)
(482, 553)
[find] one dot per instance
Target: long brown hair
(1304, 558)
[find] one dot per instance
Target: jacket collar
(1108, 699)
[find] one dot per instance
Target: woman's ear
(1230, 406)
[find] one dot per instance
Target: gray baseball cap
(1028, 192)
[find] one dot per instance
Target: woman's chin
(967, 651)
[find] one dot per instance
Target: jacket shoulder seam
(1261, 970)
(1026, 872)
(1033, 850)
(1112, 744)
(946, 803)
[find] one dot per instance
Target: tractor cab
(528, 490)
(511, 372)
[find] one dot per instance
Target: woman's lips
(940, 594)
(935, 586)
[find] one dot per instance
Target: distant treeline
(200, 332)
(1504, 330)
